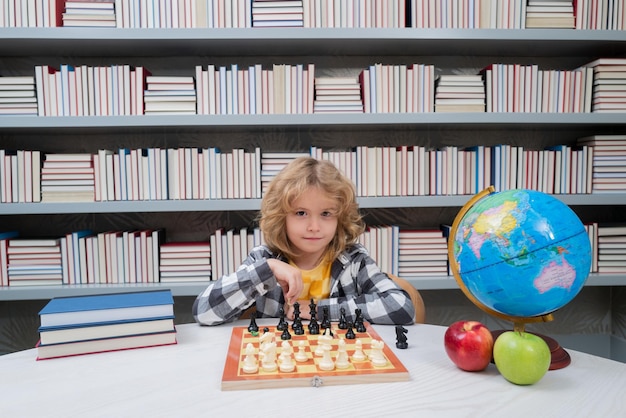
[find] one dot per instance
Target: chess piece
(253, 327)
(325, 318)
(314, 327)
(324, 341)
(285, 335)
(269, 358)
(312, 307)
(401, 337)
(282, 324)
(301, 353)
(358, 354)
(326, 362)
(350, 335)
(342, 361)
(250, 363)
(297, 326)
(286, 358)
(377, 358)
(342, 319)
(359, 325)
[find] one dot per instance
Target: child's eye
(300, 213)
(327, 214)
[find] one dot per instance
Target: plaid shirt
(356, 282)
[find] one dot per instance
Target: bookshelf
(448, 49)
(21, 48)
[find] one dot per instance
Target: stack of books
(98, 323)
(608, 162)
(89, 14)
(68, 178)
(337, 94)
(34, 262)
(170, 95)
(185, 261)
(17, 96)
(4, 243)
(460, 93)
(269, 13)
(550, 14)
(422, 253)
(609, 84)
(612, 249)
(273, 162)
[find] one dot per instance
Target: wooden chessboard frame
(234, 378)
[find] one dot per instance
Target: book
(49, 351)
(66, 334)
(90, 309)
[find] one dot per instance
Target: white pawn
(250, 363)
(286, 358)
(301, 353)
(342, 361)
(358, 354)
(326, 362)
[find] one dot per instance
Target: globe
(519, 254)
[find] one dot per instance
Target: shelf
(194, 289)
(193, 123)
(154, 206)
(310, 41)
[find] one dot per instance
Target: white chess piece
(269, 357)
(250, 363)
(342, 361)
(286, 358)
(326, 362)
(358, 354)
(376, 355)
(301, 353)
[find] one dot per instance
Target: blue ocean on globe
(521, 253)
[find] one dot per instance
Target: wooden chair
(414, 294)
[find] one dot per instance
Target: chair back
(414, 294)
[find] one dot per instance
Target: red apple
(469, 345)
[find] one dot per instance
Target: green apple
(521, 357)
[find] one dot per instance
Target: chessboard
(245, 353)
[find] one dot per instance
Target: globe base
(560, 358)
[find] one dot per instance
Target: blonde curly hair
(289, 184)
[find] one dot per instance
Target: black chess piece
(401, 340)
(359, 325)
(350, 335)
(298, 329)
(297, 321)
(314, 327)
(266, 329)
(282, 324)
(342, 319)
(285, 335)
(253, 327)
(312, 307)
(325, 318)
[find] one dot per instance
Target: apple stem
(518, 327)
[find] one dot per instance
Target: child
(311, 223)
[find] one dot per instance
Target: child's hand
(289, 279)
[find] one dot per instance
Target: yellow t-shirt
(316, 282)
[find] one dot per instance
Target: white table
(183, 380)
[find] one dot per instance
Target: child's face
(311, 226)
